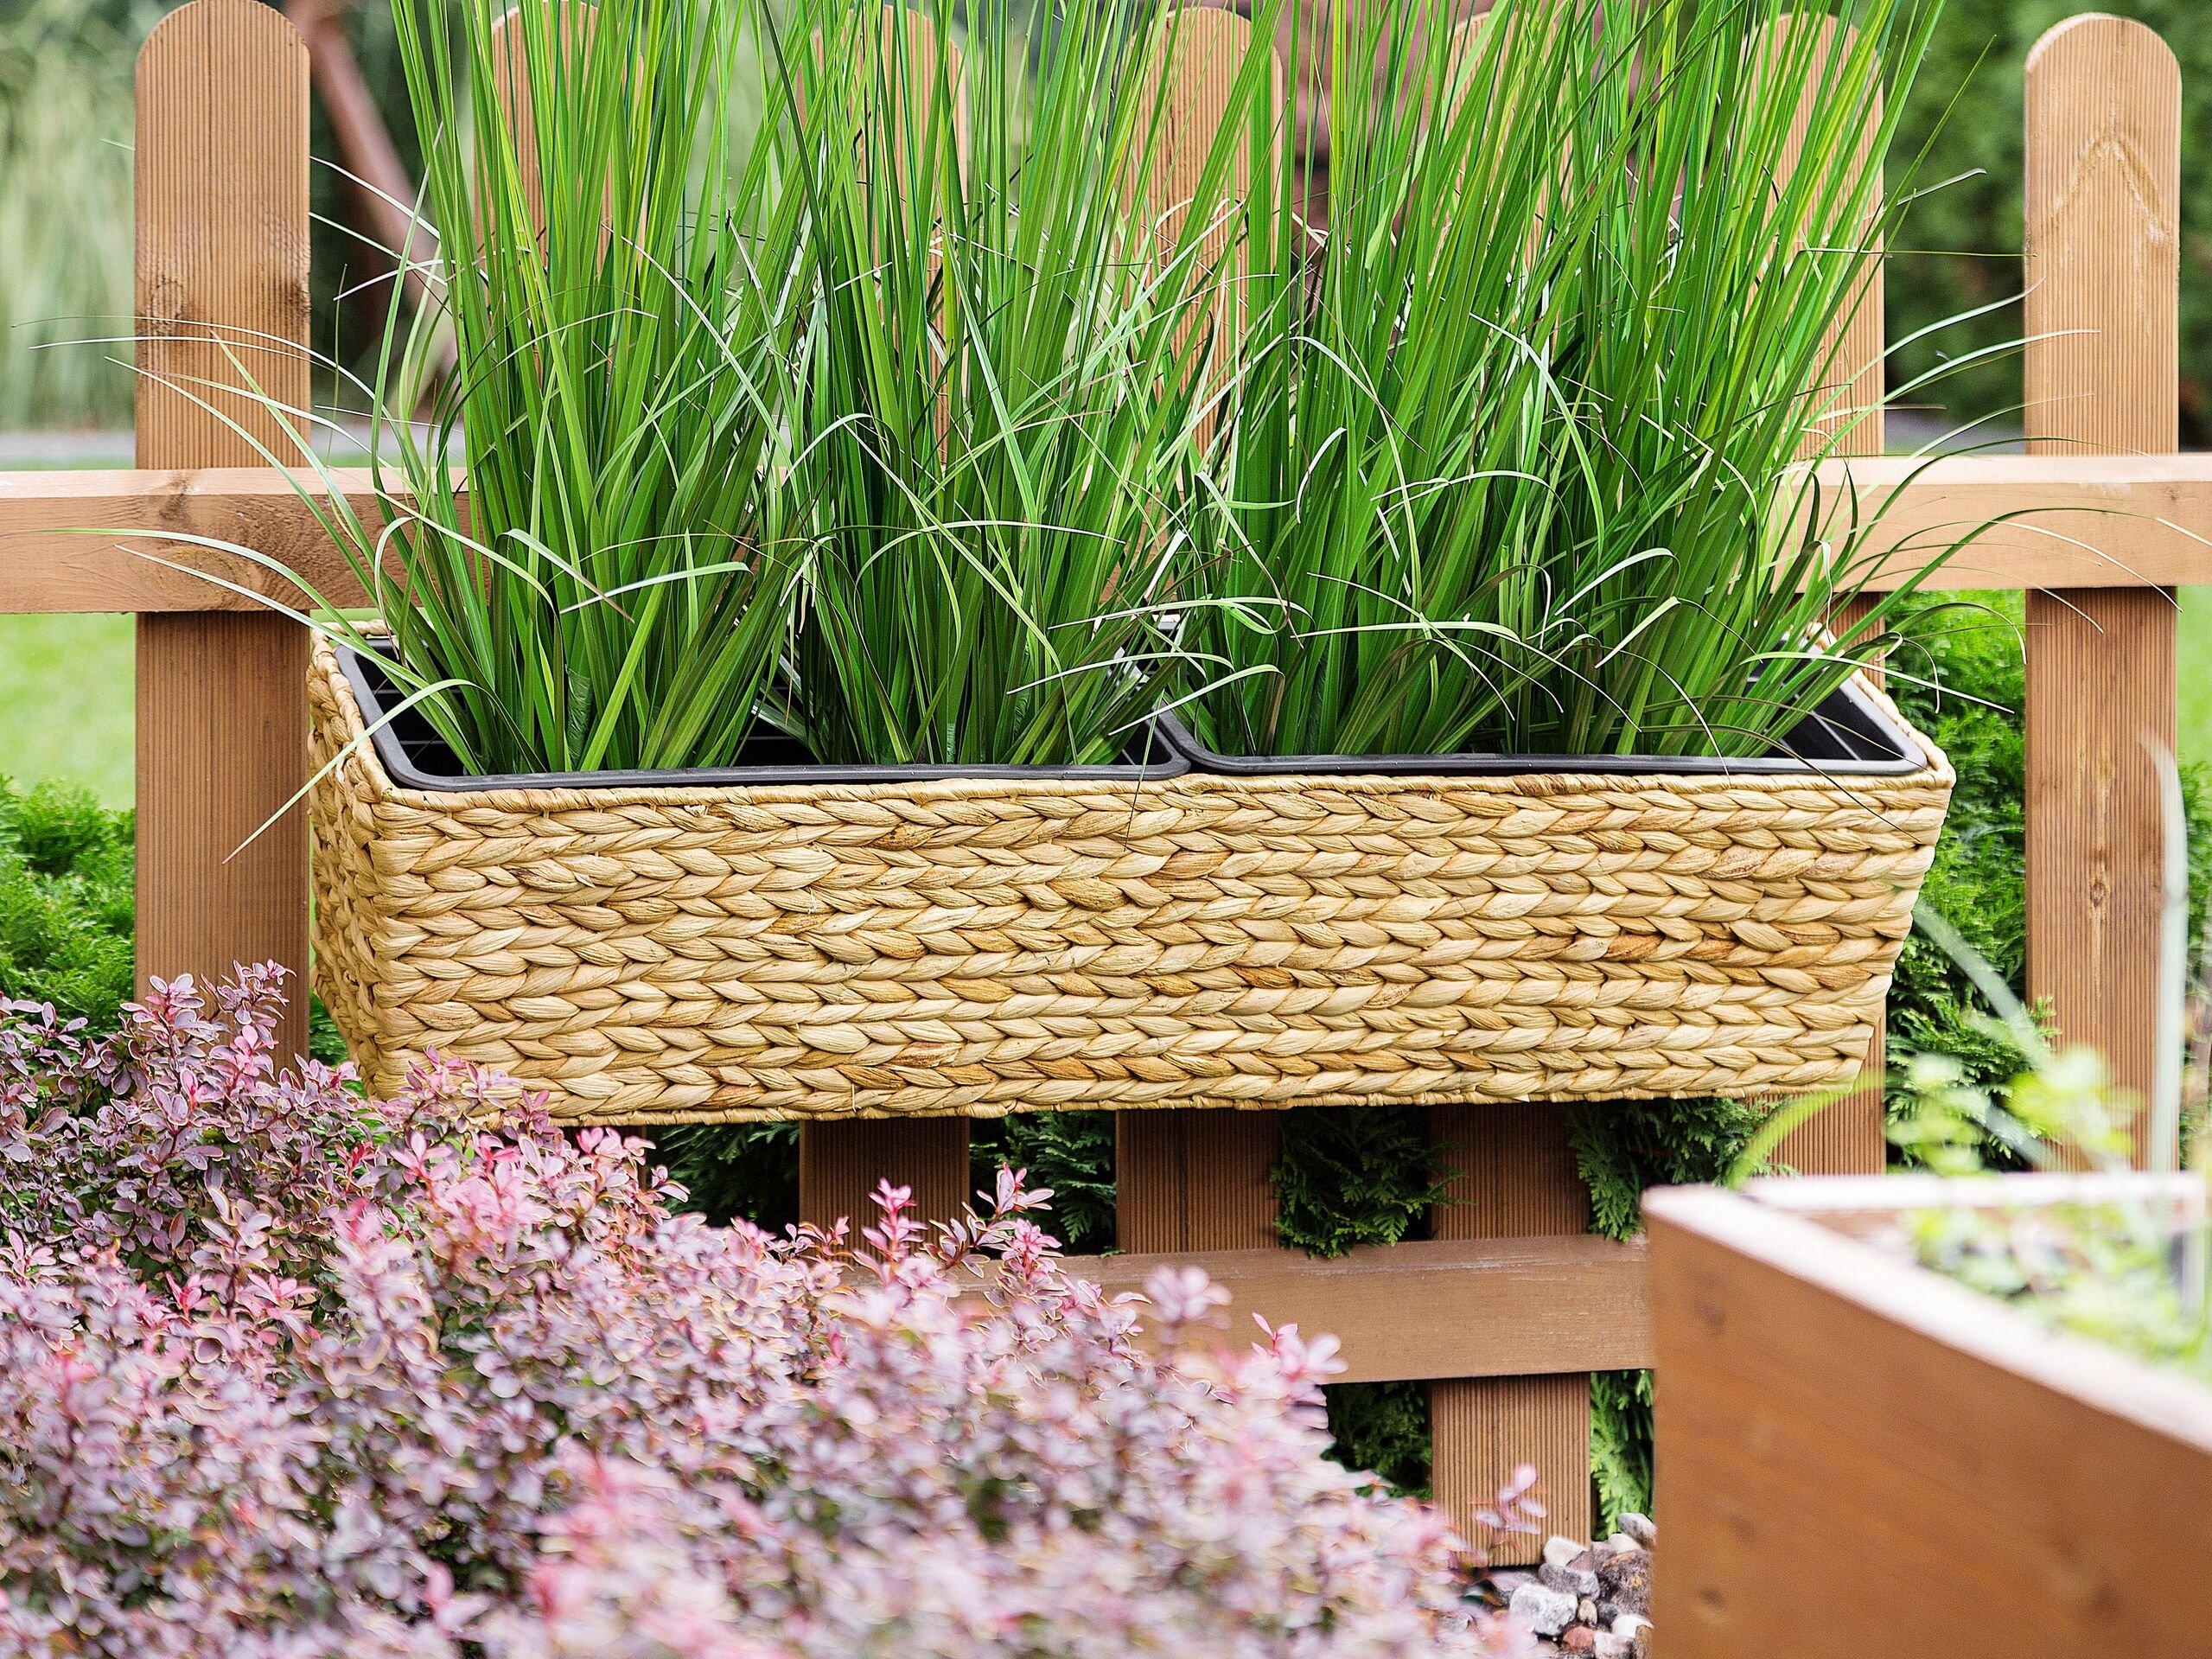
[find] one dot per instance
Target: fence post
(2102, 282)
(222, 304)
(1847, 1137)
(1511, 1173)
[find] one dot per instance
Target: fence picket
(510, 55)
(1510, 1174)
(2102, 281)
(222, 303)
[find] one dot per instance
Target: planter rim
(1792, 1237)
(1855, 718)
(407, 773)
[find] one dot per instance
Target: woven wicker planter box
(983, 945)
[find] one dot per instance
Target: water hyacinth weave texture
(285, 1371)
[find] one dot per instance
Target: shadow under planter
(784, 941)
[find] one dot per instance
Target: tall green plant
(616, 589)
(1516, 454)
(618, 595)
(996, 425)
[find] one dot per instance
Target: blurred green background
(65, 240)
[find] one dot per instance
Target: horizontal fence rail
(1505, 1307)
(122, 540)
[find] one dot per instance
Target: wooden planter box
(1858, 1457)
(674, 947)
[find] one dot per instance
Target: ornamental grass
(1518, 460)
(925, 386)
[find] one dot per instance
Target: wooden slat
(1430, 1308)
(222, 262)
(2070, 520)
(1851, 393)
(1859, 1458)
(53, 559)
(2102, 366)
(1188, 94)
(1194, 1180)
(1512, 1176)
(2085, 520)
(1847, 1136)
(513, 41)
(839, 1163)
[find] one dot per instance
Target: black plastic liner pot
(1852, 733)
(416, 758)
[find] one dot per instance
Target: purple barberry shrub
(287, 1372)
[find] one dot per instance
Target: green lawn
(65, 701)
(65, 696)
(2195, 663)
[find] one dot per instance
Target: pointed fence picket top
(514, 42)
(2102, 370)
(223, 321)
(1508, 1172)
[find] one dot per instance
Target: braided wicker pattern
(978, 947)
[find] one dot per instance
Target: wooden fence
(1511, 1304)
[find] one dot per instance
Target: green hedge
(67, 907)
(1965, 237)
(65, 901)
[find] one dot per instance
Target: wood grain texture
(1500, 1307)
(1850, 394)
(1195, 1179)
(222, 302)
(2070, 520)
(840, 1163)
(1511, 1175)
(2102, 275)
(1188, 92)
(519, 45)
(2078, 521)
(1859, 1459)
(109, 540)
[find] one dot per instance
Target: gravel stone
(1574, 1577)
(1543, 1610)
